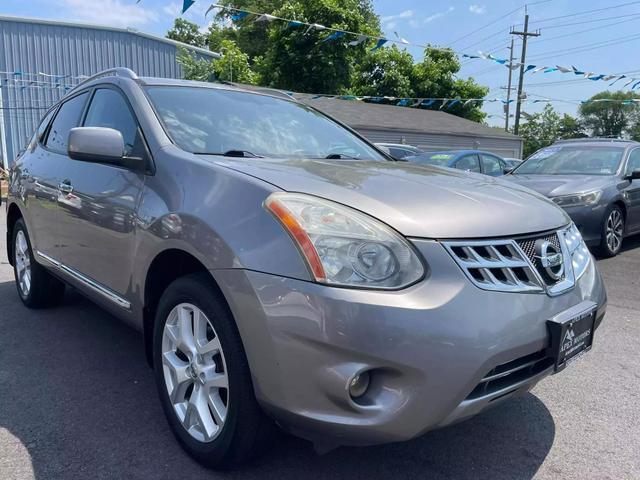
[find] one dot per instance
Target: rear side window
(491, 165)
(399, 152)
(109, 109)
(42, 129)
(469, 163)
(68, 117)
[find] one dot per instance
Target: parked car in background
(512, 162)
(283, 271)
(476, 161)
(399, 150)
(596, 181)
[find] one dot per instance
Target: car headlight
(580, 255)
(342, 246)
(579, 199)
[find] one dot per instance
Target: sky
(572, 33)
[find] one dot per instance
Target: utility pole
(507, 106)
(525, 34)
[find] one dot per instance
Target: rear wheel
(612, 231)
(36, 286)
(203, 377)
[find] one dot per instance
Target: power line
(586, 12)
(587, 47)
(571, 34)
(498, 19)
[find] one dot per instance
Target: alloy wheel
(614, 230)
(23, 263)
(195, 372)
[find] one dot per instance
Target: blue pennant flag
(635, 85)
(294, 23)
(236, 17)
(428, 102)
(403, 102)
(17, 73)
(550, 69)
(348, 97)
(379, 44)
(186, 4)
(597, 77)
(617, 79)
(529, 68)
(469, 56)
(453, 102)
(333, 36)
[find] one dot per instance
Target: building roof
(373, 116)
(132, 31)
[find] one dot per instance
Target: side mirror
(507, 170)
(634, 175)
(100, 145)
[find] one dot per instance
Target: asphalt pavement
(77, 400)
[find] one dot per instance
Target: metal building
(429, 130)
(40, 60)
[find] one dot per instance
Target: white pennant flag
(358, 41)
(314, 26)
(564, 69)
(537, 69)
(265, 17)
(402, 40)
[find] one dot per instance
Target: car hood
(555, 185)
(418, 201)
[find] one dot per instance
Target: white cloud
(477, 9)
(438, 15)
(115, 13)
(391, 21)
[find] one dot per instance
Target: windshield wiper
(336, 156)
(240, 153)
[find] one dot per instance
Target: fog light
(359, 385)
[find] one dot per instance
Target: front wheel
(36, 286)
(203, 377)
(612, 232)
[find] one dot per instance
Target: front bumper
(428, 347)
(588, 219)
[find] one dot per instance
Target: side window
(634, 161)
(38, 136)
(109, 109)
(67, 118)
(398, 152)
(469, 163)
(491, 165)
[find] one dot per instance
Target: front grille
(509, 265)
(510, 374)
(495, 265)
(528, 246)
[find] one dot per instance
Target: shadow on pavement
(76, 391)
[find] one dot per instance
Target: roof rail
(594, 139)
(111, 72)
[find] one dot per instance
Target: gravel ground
(77, 400)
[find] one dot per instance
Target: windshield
(216, 121)
(568, 160)
(438, 159)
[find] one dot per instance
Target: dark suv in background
(596, 181)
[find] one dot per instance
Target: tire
(240, 429)
(612, 231)
(36, 287)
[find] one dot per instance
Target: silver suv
(283, 269)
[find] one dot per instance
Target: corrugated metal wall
(504, 147)
(65, 50)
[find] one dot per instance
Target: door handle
(65, 187)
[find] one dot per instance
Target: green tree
(187, 32)
(544, 128)
(384, 72)
(194, 67)
(292, 58)
(611, 118)
(436, 77)
(234, 64)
